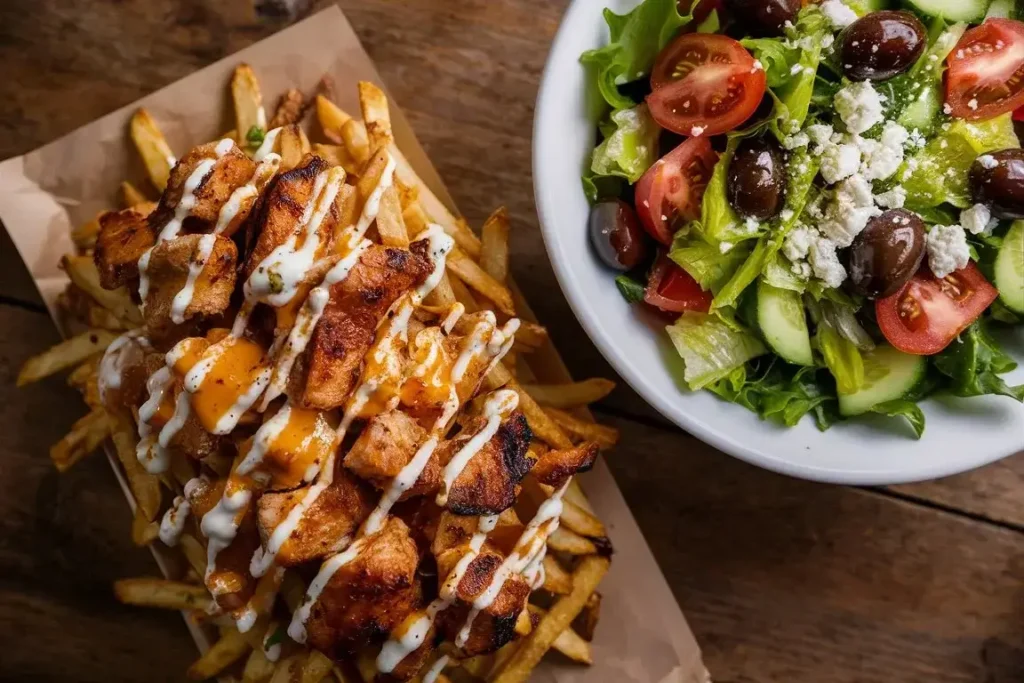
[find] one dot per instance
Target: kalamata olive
(756, 181)
(886, 254)
(616, 234)
(997, 180)
(763, 17)
(881, 45)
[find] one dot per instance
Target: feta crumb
(987, 161)
(751, 225)
(795, 141)
(797, 243)
(972, 104)
(946, 109)
(882, 158)
(825, 262)
(838, 14)
(977, 220)
(839, 161)
(809, 70)
(802, 269)
(786, 215)
(916, 139)
(725, 247)
(854, 192)
(758, 66)
(947, 249)
(893, 199)
(827, 40)
(859, 106)
(819, 133)
(696, 131)
(795, 69)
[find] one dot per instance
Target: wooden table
(781, 580)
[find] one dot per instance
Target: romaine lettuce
(636, 39)
(711, 348)
(630, 147)
(780, 392)
(705, 262)
(972, 365)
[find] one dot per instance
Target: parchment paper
(643, 636)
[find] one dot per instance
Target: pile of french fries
(567, 607)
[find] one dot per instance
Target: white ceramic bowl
(961, 434)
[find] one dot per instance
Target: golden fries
(586, 623)
(68, 353)
(162, 593)
(390, 225)
(153, 148)
(332, 119)
(84, 275)
(258, 669)
(582, 522)
(86, 435)
(144, 531)
(557, 581)
(131, 196)
(315, 667)
(567, 541)
(194, 552)
(248, 101)
(470, 272)
(570, 395)
(588, 574)
(294, 145)
(225, 652)
(374, 105)
(144, 486)
(584, 430)
(494, 245)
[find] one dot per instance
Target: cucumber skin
(971, 11)
(769, 297)
(1010, 283)
(913, 371)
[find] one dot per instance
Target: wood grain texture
(781, 580)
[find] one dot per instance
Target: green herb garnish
(255, 136)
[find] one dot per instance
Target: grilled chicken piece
(387, 443)
(168, 273)
(123, 238)
(327, 524)
(368, 597)
(494, 626)
(554, 467)
(231, 583)
(487, 484)
(229, 172)
(345, 331)
(137, 363)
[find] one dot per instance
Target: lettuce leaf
(630, 147)
(711, 348)
(636, 39)
(777, 57)
(705, 262)
(842, 358)
(780, 392)
(793, 96)
(972, 365)
(905, 408)
(938, 173)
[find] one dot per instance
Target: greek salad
(825, 201)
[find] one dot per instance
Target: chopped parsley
(254, 138)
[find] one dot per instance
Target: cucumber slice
(888, 374)
(923, 111)
(1009, 268)
(781, 317)
(952, 10)
(1002, 9)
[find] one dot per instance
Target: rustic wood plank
(785, 580)
(992, 492)
(66, 538)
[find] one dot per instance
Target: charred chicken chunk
(228, 172)
(554, 467)
(386, 445)
(123, 238)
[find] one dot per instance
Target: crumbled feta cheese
(946, 109)
(894, 135)
(916, 139)
(825, 262)
(795, 69)
(859, 106)
(977, 220)
(879, 158)
(839, 161)
(838, 14)
(725, 247)
(987, 161)
(893, 199)
(973, 104)
(758, 66)
(819, 133)
(947, 249)
(852, 207)
(827, 40)
(696, 131)
(854, 192)
(786, 215)
(797, 243)
(795, 141)
(802, 269)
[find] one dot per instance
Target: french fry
(84, 235)
(336, 155)
(97, 316)
(584, 430)
(84, 275)
(225, 652)
(144, 531)
(315, 667)
(289, 109)
(163, 593)
(494, 245)
(588, 574)
(442, 296)
(582, 522)
(294, 146)
(258, 669)
(470, 272)
(144, 486)
(463, 295)
(248, 101)
(374, 105)
(416, 220)
(64, 355)
(556, 579)
(565, 541)
(568, 642)
(131, 196)
(286, 669)
(543, 427)
(80, 376)
(570, 395)
(586, 623)
(575, 494)
(194, 552)
(390, 225)
(332, 119)
(86, 435)
(354, 136)
(153, 148)
(530, 335)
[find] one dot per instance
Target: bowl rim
(549, 92)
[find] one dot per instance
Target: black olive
(886, 254)
(616, 234)
(997, 179)
(756, 181)
(881, 45)
(763, 17)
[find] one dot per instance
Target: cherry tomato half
(672, 289)
(986, 70)
(928, 312)
(669, 192)
(704, 84)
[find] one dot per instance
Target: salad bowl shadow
(961, 434)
